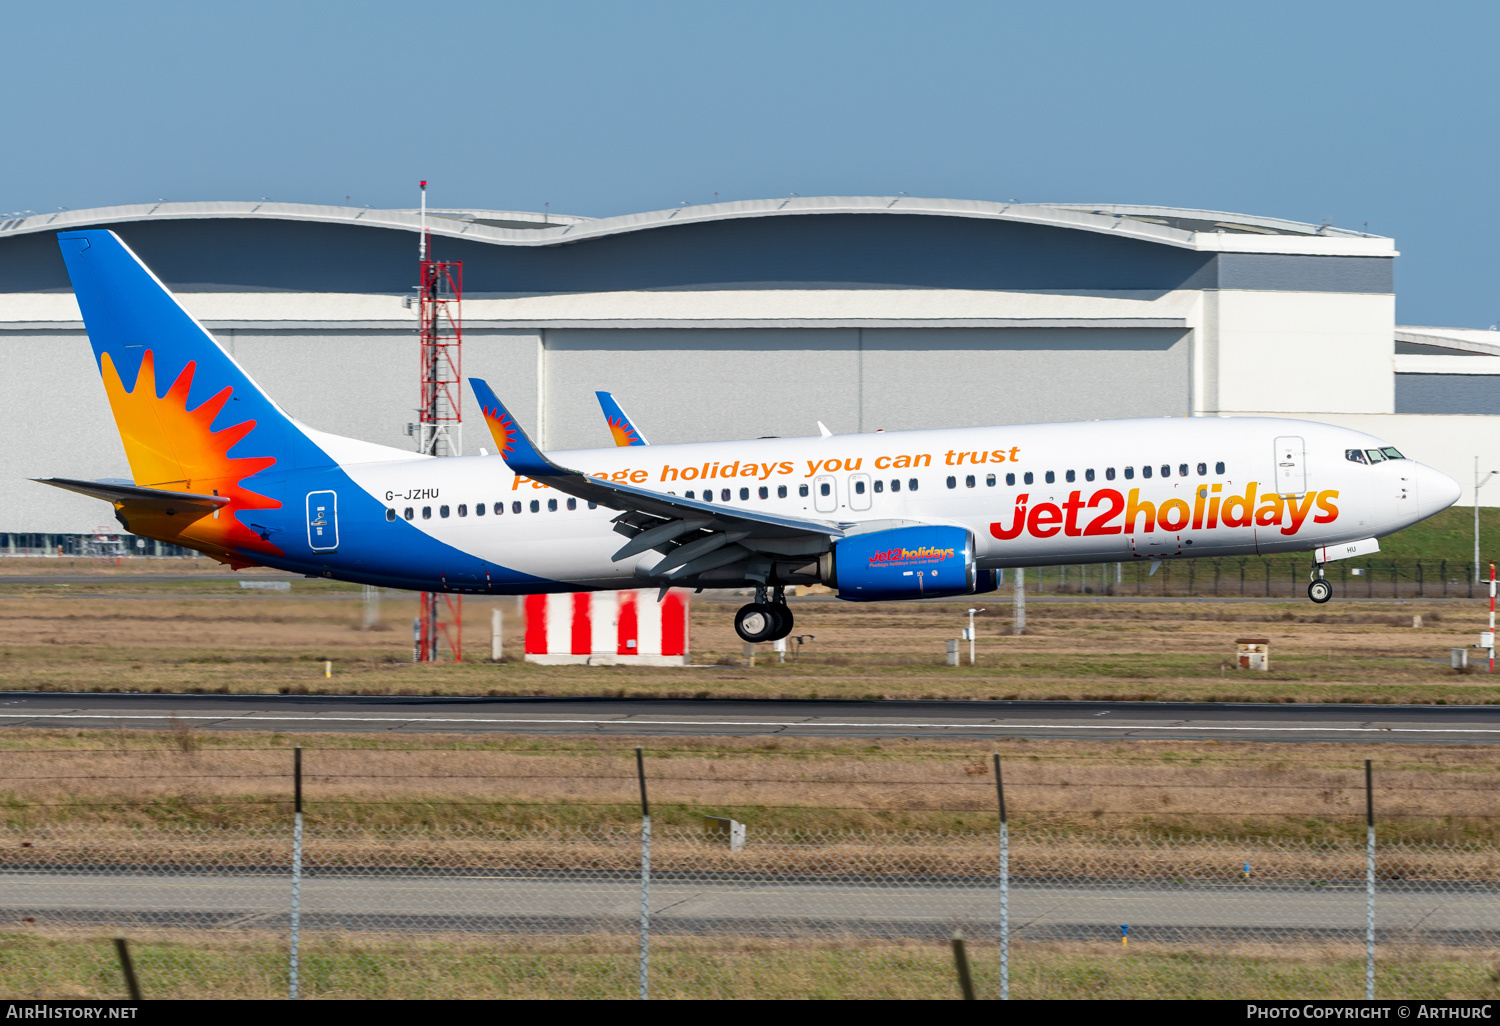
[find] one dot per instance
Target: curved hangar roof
(798, 242)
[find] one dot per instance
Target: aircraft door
(859, 491)
(825, 493)
(1291, 466)
(323, 521)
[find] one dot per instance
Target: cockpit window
(1376, 456)
(1355, 456)
(1392, 454)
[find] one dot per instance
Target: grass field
(112, 632)
(34, 965)
(1445, 793)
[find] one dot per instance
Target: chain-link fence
(1264, 577)
(537, 912)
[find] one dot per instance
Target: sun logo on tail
(176, 449)
(502, 429)
(624, 431)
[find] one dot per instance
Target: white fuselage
(1226, 491)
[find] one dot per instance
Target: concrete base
(606, 659)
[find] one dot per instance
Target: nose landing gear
(1319, 590)
(764, 620)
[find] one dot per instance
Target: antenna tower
(439, 623)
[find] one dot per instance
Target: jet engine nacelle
(905, 563)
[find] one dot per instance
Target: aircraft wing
(693, 536)
(138, 497)
(620, 426)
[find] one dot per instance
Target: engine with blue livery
(906, 563)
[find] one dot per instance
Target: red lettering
(1043, 516)
(1298, 513)
(1018, 524)
(1070, 525)
(1116, 507)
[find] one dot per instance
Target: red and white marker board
(598, 628)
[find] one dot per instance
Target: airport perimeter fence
(712, 909)
(1261, 577)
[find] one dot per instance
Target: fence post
(296, 869)
(645, 968)
(1369, 884)
(1019, 604)
(1004, 886)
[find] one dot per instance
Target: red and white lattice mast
(439, 627)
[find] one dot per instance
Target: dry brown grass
(1435, 792)
(113, 632)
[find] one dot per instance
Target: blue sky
(1374, 112)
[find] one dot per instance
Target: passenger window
(1218, 468)
(536, 506)
(781, 491)
(744, 494)
(879, 486)
(407, 513)
(688, 494)
(969, 481)
(802, 491)
(515, 507)
(572, 503)
(1203, 470)
(499, 508)
(1071, 476)
(551, 505)
(1145, 472)
(708, 495)
(1010, 480)
(1109, 473)
(895, 484)
(911, 485)
(859, 488)
(724, 495)
(479, 509)
(952, 482)
(593, 505)
(1130, 473)
(1028, 477)
(989, 481)
(825, 488)
(443, 512)
(765, 493)
(1051, 477)
(1088, 475)
(390, 514)
(463, 509)
(426, 512)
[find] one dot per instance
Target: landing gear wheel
(756, 622)
(783, 621)
(1320, 591)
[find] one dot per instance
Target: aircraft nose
(1436, 491)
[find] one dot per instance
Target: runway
(740, 717)
(720, 903)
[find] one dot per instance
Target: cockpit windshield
(1368, 456)
(1355, 456)
(1392, 454)
(1376, 456)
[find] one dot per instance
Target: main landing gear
(1319, 590)
(764, 620)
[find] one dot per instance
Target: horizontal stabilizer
(136, 496)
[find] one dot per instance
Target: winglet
(624, 432)
(518, 451)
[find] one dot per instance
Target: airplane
(621, 428)
(218, 467)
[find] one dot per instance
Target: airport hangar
(739, 320)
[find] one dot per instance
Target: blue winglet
(518, 451)
(624, 432)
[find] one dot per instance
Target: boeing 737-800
(218, 467)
